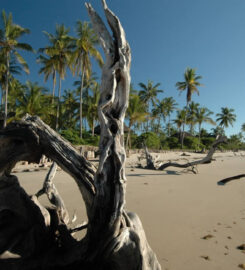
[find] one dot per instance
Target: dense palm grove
(157, 123)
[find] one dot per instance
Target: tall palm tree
(81, 59)
(136, 113)
(190, 84)
(191, 115)
(203, 116)
(148, 94)
(14, 69)
(70, 108)
(226, 117)
(180, 121)
(49, 68)
(9, 46)
(169, 106)
(59, 53)
(92, 106)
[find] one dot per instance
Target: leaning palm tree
(226, 117)
(148, 94)
(190, 84)
(9, 46)
(59, 53)
(203, 116)
(85, 49)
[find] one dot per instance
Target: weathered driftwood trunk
(153, 165)
(40, 237)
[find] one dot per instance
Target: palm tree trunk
(58, 106)
(183, 130)
(54, 82)
(81, 104)
(199, 135)
(2, 98)
(169, 126)
(128, 137)
(6, 94)
(93, 127)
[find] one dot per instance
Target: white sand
(177, 209)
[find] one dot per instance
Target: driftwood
(229, 179)
(35, 237)
(153, 165)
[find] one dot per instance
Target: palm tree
(226, 117)
(70, 107)
(9, 46)
(191, 115)
(136, 113)
(30, 99)
(190, 84)
(243, 127)
(180, 121)
(92, 106)
(170, 105)
(13, 70)
(203, 116)
(48, 68)
(148, 94)
(84, 50)
(59, 52)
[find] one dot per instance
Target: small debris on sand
(208, 236)
(242, 265)
(241, 247)
(206, 258)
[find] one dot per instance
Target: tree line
(158, 123)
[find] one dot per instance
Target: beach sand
(177, 209)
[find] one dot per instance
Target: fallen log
(229, 179)
(151, 163)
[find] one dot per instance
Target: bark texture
(35, 237)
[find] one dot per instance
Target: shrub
(150, 139)
(173, 143)
(192, 143)
(72, 136)
(207, 141)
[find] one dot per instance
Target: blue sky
(165, 36)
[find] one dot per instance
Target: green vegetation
(152, 119)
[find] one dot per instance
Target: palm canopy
(85, 48)
(243, 127)
(190, 83)
(149, 92)
(226, 117)
(180, 118)
(136, 112)
(31, 99)
(60, 50)
(9, 35)
(203, 116)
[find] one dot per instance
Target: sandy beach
(177, 208)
